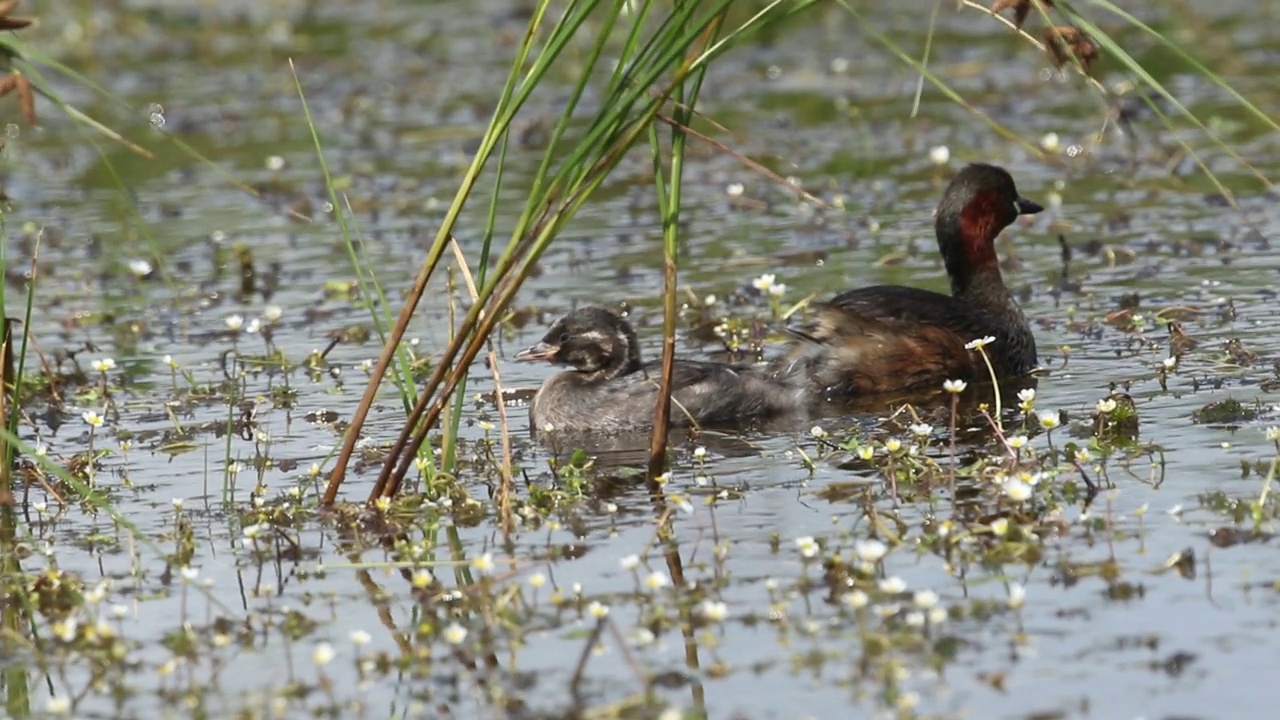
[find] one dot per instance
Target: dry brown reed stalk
(504, 493)
(748, 162)
(380, 371)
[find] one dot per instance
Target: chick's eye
(564, 338)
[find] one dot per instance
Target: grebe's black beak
(1027, 207)
(541, 351)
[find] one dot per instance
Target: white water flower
(483, 564)
(656, 580)
(97, 594)
(954, 386)
(888, 610)
(1273, 434)
(360, 637)
(979, 343)
(857, 599)
(764, 282)
(807, 545)
(1000, 527)
(818, 432)
(1026, 399)
(234, 322)
(322, 654)
(1017, 442)
(91, 418)
(1017, 595)
(597, 609)
(1049, 420)
(1169, 363)
(893, 585)
(140, 268)
(893, 445)
(1017, 490)
(712, 611)
(939, 155)
(455, 634)
(1105, 406)
(866, 452)
(870, 550)
(66, 630)
(630, 562)
(104, 365)
(925, 599)
(1050, 142)
(699, 453)
(921, 429)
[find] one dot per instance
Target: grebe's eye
(564, 337)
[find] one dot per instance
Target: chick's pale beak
(541, 351)
(1027, 207)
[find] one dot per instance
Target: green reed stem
(669, 196)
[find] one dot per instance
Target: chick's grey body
(609, 389)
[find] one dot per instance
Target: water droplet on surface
(1075, 151)
(774, 72)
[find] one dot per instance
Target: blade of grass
(1114, 50)
(669, 195)
(938, 82)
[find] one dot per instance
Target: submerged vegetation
(196, 410)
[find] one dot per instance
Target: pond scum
(115, 612)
